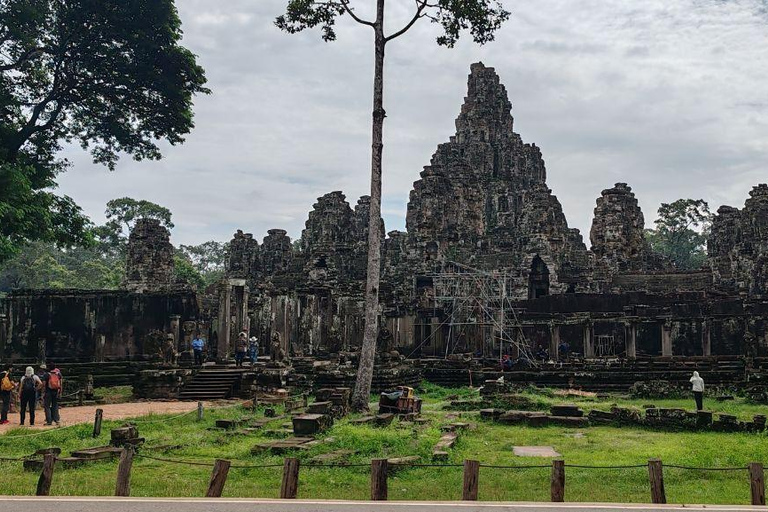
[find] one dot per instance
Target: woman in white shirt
(697, 385)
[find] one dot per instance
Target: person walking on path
(53, 384)
(6, 386)
(253, 350)
(198, 344)
(30, 384)
(241, 348)
(697, 385)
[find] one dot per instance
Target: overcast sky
(670, 97)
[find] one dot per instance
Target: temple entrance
(538, 279)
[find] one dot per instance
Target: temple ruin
(487, 266)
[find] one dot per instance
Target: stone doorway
(538, 279)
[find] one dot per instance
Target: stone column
(706, 337)
(630, 339)
(225, 297)
(175, 321)
(246, 324)
(42, 348)
(4, 336)
(589, 341)
(554, 341)
(666, 338)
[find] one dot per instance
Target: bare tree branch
(420, 6)
(345, 4)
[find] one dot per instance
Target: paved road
(62, 504)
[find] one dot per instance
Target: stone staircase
(212, 384)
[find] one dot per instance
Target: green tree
(122, 214)
(184, 271)
(681, 232)
(208, 259)
(482, 18)
(107, 74)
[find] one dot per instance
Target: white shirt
(698, 383)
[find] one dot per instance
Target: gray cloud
(667, 96)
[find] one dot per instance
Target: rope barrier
(5, 437)
(491, 466)
(741, 468)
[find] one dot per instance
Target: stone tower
(149, 266)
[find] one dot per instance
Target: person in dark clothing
(52, 384)
(30, 384)
(6, 386)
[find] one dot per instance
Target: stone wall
(77, 325)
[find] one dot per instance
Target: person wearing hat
(253, 350)
(30, 384)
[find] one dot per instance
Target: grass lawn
(488, 442)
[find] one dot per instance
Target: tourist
(6, 386)
(30, 384)
(241, 348)
(563, 349)
(697, 384)
(253, 350)
(52, 385)
(198, 344)
(506, 362)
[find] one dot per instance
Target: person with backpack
(30, 384)
(253, 350)
(52, 392)
(6, 386)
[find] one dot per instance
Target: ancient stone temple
(497, 268)
(488, 266)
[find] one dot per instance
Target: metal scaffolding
(473, 297)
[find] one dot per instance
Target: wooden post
(97, 423)
(557, 485)
(379, 479)
(757, 483)
(218, 478)
(471, 480)
(123, 485)
(199, 411)
(80, 397)
(656, 477)
(290, 485)
(46, 475)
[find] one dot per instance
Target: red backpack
(54, 381)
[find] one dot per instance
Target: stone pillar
(175, 321)
(706, 337)
(589, 340)
(246, 323)
(42, 348)
(225, 297)
(554, 341)
(630, 339)
(666, 339)
(4, 335)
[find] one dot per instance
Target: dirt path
(85, 414)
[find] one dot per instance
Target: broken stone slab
(452, 427)
(319, 408)
(514, 417)
(310, 424)
(334, 456)
(490, 414)
(535, 451)
(564, 421)
(446, 442)
(281, 446)
(231, 424)
(400, 461)
(363, 421)
(596, 416)
(382, 420)
(570, 410)
(98, 453)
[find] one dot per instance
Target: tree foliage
(481, 17)
(107, 74)
(207, 259)
(681, 232)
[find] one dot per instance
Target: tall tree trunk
(365, 369)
